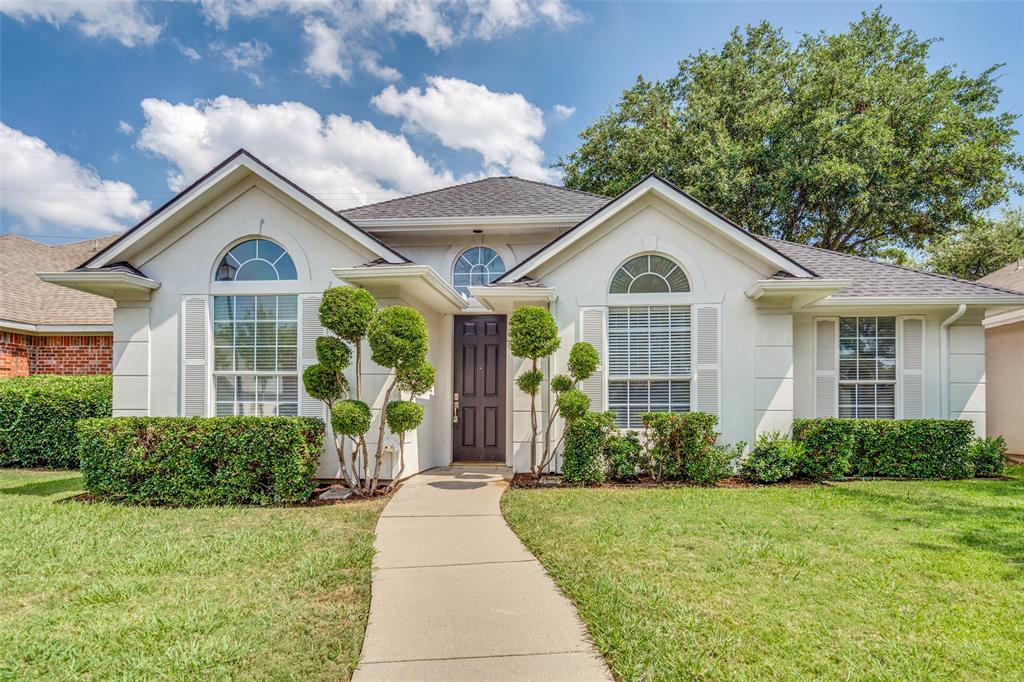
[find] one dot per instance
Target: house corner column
(773, 371)
(131, 359)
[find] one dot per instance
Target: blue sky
(109, 107)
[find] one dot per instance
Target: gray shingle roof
(27, 299)
(490, 197)
(872, 279)
(1009, 277)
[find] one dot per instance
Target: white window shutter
(593, 330)
(707, 332)
(194, 356)
(309, 330)
(911, 392)
(826, 379)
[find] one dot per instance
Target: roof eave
(414, 281)
(113, 285)
(499, 298)
(883, 301)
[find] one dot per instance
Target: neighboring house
(47, 329)
(218, 290)
(1004, 363)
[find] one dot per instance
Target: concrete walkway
(456, 596)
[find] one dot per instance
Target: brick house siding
(23, 354)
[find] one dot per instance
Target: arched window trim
(489, 273)
(284, 258)
(624, 272)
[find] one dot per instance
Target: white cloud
(125, 128)
(189, 53)
(41, 186)
(371, 65)
(122, 20)
(247, 58)
(563, 112)
(504, 128)
(342, 161)
(343, 32)
(324, 59)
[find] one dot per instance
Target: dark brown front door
(479, 421)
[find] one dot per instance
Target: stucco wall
(718, 272)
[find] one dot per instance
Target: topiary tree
(532, 335)
(398, 340)
(570, 402)
(402, 416)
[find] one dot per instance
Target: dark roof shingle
(490, 197)
(871, 279)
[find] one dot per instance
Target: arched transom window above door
(255, 260)
(649, 274)
(476, 266)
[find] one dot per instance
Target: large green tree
(848, 141)
(979, 248)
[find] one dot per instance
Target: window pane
(266, 307)
(287, 307)
(223, 333)
(223, 307)
(245, 334)
(648, 274)
(266, 359)
(223, 359)
(246, 387)
(866, 326)
(887, 326)
(245, 359)
(286, 359)
(245, 308)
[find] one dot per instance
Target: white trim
(497, 298)
(655, 185)
(855, 301)
(767, 287)
(73, 329)
(242, 163)
(125, 279)
(423, 278)
(1001, 319)
(944, 360)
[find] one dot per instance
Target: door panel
(479, 381)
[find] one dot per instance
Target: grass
(98, 591)
(862, 580)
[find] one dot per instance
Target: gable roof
(505, 196)
(872, 279)
(656, 184)
(1009, 277)
(229, 166)
(26, 299)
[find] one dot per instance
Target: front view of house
(217, 295)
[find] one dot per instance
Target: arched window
(476, 266)
(255, 260)
(649, 274)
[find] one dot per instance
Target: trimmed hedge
(774, 458)
(583, 457)
(988, 455)
(831, 445)
(189, 461)
(38, 416)
(681, 445)
(897, 448)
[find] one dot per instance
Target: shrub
(416, 379)
(774, 458)
(830, 447)
(38, 416)
(674, 439)
(585, 439)
(623, 456)
(583, 360)
(560, 383)
(573, 404)
(709, 466)
(914, 448)
(398, 337)
(324, 383)
(348, 311)
(403, 416)
(333, 353)
(532, 333)
(988, 455)
(351, 418)
(199, 460)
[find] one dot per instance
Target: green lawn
(96, 591)
(866, 580)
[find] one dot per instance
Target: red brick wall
(13, 355)
(21, 354)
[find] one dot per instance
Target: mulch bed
(314, 501)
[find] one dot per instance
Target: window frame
(493, 277)
(876, 382)
(213, 373)
(285, 253)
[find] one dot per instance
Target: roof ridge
(474, 182)
(893, 265)
(417, 194)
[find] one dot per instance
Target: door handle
(455, 410)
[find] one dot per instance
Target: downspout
(944, 359)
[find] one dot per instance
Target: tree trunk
(380, 438)
(533, 423)
(359, 369)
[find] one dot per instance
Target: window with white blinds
(867, 367)
(255, 346)
(649, 361)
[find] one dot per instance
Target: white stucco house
(217, 294)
